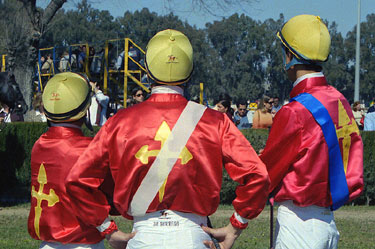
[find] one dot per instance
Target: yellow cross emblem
(52, 198)
(143, 153)
(348, 127)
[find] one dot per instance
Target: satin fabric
(296, 154)
(191, 187)
(58, 149)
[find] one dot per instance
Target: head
(66, 97)
(276, 101)
(266, 104)
(38, 102)
(169, 58)
(10, 93)
(306, 44)
(138, 95)
(223, 102)
(242, 108)
(356, 106)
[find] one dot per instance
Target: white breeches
(169, 230)
(305, 227)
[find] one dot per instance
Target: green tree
(367, 63)
(336, 69)
(24, 25)
(240, 64)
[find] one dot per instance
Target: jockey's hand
(118, 239)
(226, 236)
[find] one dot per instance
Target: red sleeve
(84, 179)
(282, 145)
(244, 166)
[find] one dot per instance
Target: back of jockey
(166, 157)
(314, 152)
(66, 98)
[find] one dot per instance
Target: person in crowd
(6, 116)
(97, 64)
(47, 65)
(369, 121)
(99, 105)
(138, 96)
(314, 152)
(358, 114)
(64, 63)
(82, 58)
(173, 151)
(51, 219)
(223, 105)
(240, 117)
(276, 105)
(134, 54)
(262, 118)
(37, 105)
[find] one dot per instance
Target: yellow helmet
(66, 97)
(169, 58)
(307, 38)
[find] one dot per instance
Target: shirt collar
(310, 75)
(65, 125)
(167, 89)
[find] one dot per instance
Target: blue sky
(343, 12)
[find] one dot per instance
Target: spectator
(262, 118)
(82, 58)
(358, 114)
(276, 105)
(166, 156)
(314, 152)
(241, 118)
(99, 105)
(47, 65)
(51, 218)
(223, 105)
(134, 54)
(37, 104)
(7, 116)
(369, 122)
(64, 61)
(138, 95)
(91, 56)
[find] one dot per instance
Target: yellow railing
(134, 75)
(3, 63)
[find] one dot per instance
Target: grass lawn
(356, 226)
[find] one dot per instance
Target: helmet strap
(296, 61)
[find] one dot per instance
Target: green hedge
(17, 139)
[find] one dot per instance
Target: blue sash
(337, 179)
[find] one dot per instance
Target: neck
(298, 71)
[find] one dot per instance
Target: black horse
(10, 94)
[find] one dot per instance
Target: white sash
(166, 158)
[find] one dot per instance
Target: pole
(357, 54)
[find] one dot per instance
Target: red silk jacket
(296, 154)
(193, 185)
(51, 217)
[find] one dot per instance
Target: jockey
(166, 157)
(66, 98)
(314, 152)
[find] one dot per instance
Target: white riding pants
(57, 245)
(309, 227)
(169, 230)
